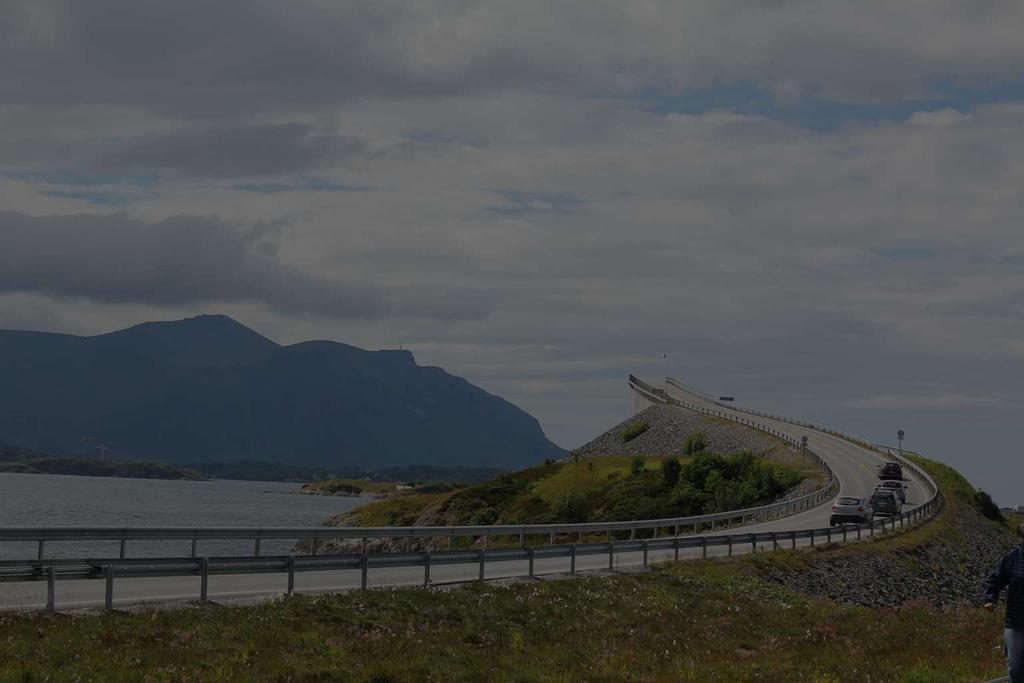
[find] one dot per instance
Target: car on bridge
(886, 502)
(850, 509)
(891, 471)
(896, 487)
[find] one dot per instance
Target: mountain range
(209, 388)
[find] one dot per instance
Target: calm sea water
(60, 500)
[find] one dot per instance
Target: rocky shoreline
(945, 570)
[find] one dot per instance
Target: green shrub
(695, 443)
(634, 430)
(637, 466)
(571, 508)
(986, 506)
(670, 470)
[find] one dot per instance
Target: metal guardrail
(204, 567)
(108, 569)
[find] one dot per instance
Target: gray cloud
(115, 258)
(231, 151)
(233, 57)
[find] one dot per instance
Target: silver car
(896, 487)
(850, 509)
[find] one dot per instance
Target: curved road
(854, 466)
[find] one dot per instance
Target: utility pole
(102, 448)
(803, 449)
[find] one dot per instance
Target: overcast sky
(813, 206)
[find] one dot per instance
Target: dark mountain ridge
(209, 388)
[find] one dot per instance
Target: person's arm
(997, 580)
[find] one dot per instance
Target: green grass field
(688, 622)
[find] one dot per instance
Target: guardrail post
(40, 553)
(291, 574)
(858, 531)
(730, 545)
(124, 541)
(195, 540)
(794, 539)
(426, 569)
(775, 541)
(844, 533)
(572, 559)
(675, 549)
(483, 555)
(256, 547)
(893, 523)
(51, 590)
(530, 550)
(365, 568)
(551, 538)
(753, 543)
(611, 555)
(704, 548)
(645, 553)
(108, 597)
(204, 582)
(579, 537)
(813, 534)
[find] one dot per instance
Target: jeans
(1013, 641)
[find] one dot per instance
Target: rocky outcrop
(668, 429)
(949, 568)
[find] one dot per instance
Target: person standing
(1010, 574)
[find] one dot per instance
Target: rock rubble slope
(669, 427)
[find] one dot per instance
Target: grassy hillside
(597, 489)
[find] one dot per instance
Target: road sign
(726, 398)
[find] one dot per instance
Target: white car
(850, 509)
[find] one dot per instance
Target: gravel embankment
(669, 428)
(945, 571)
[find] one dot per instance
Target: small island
(14, 460)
